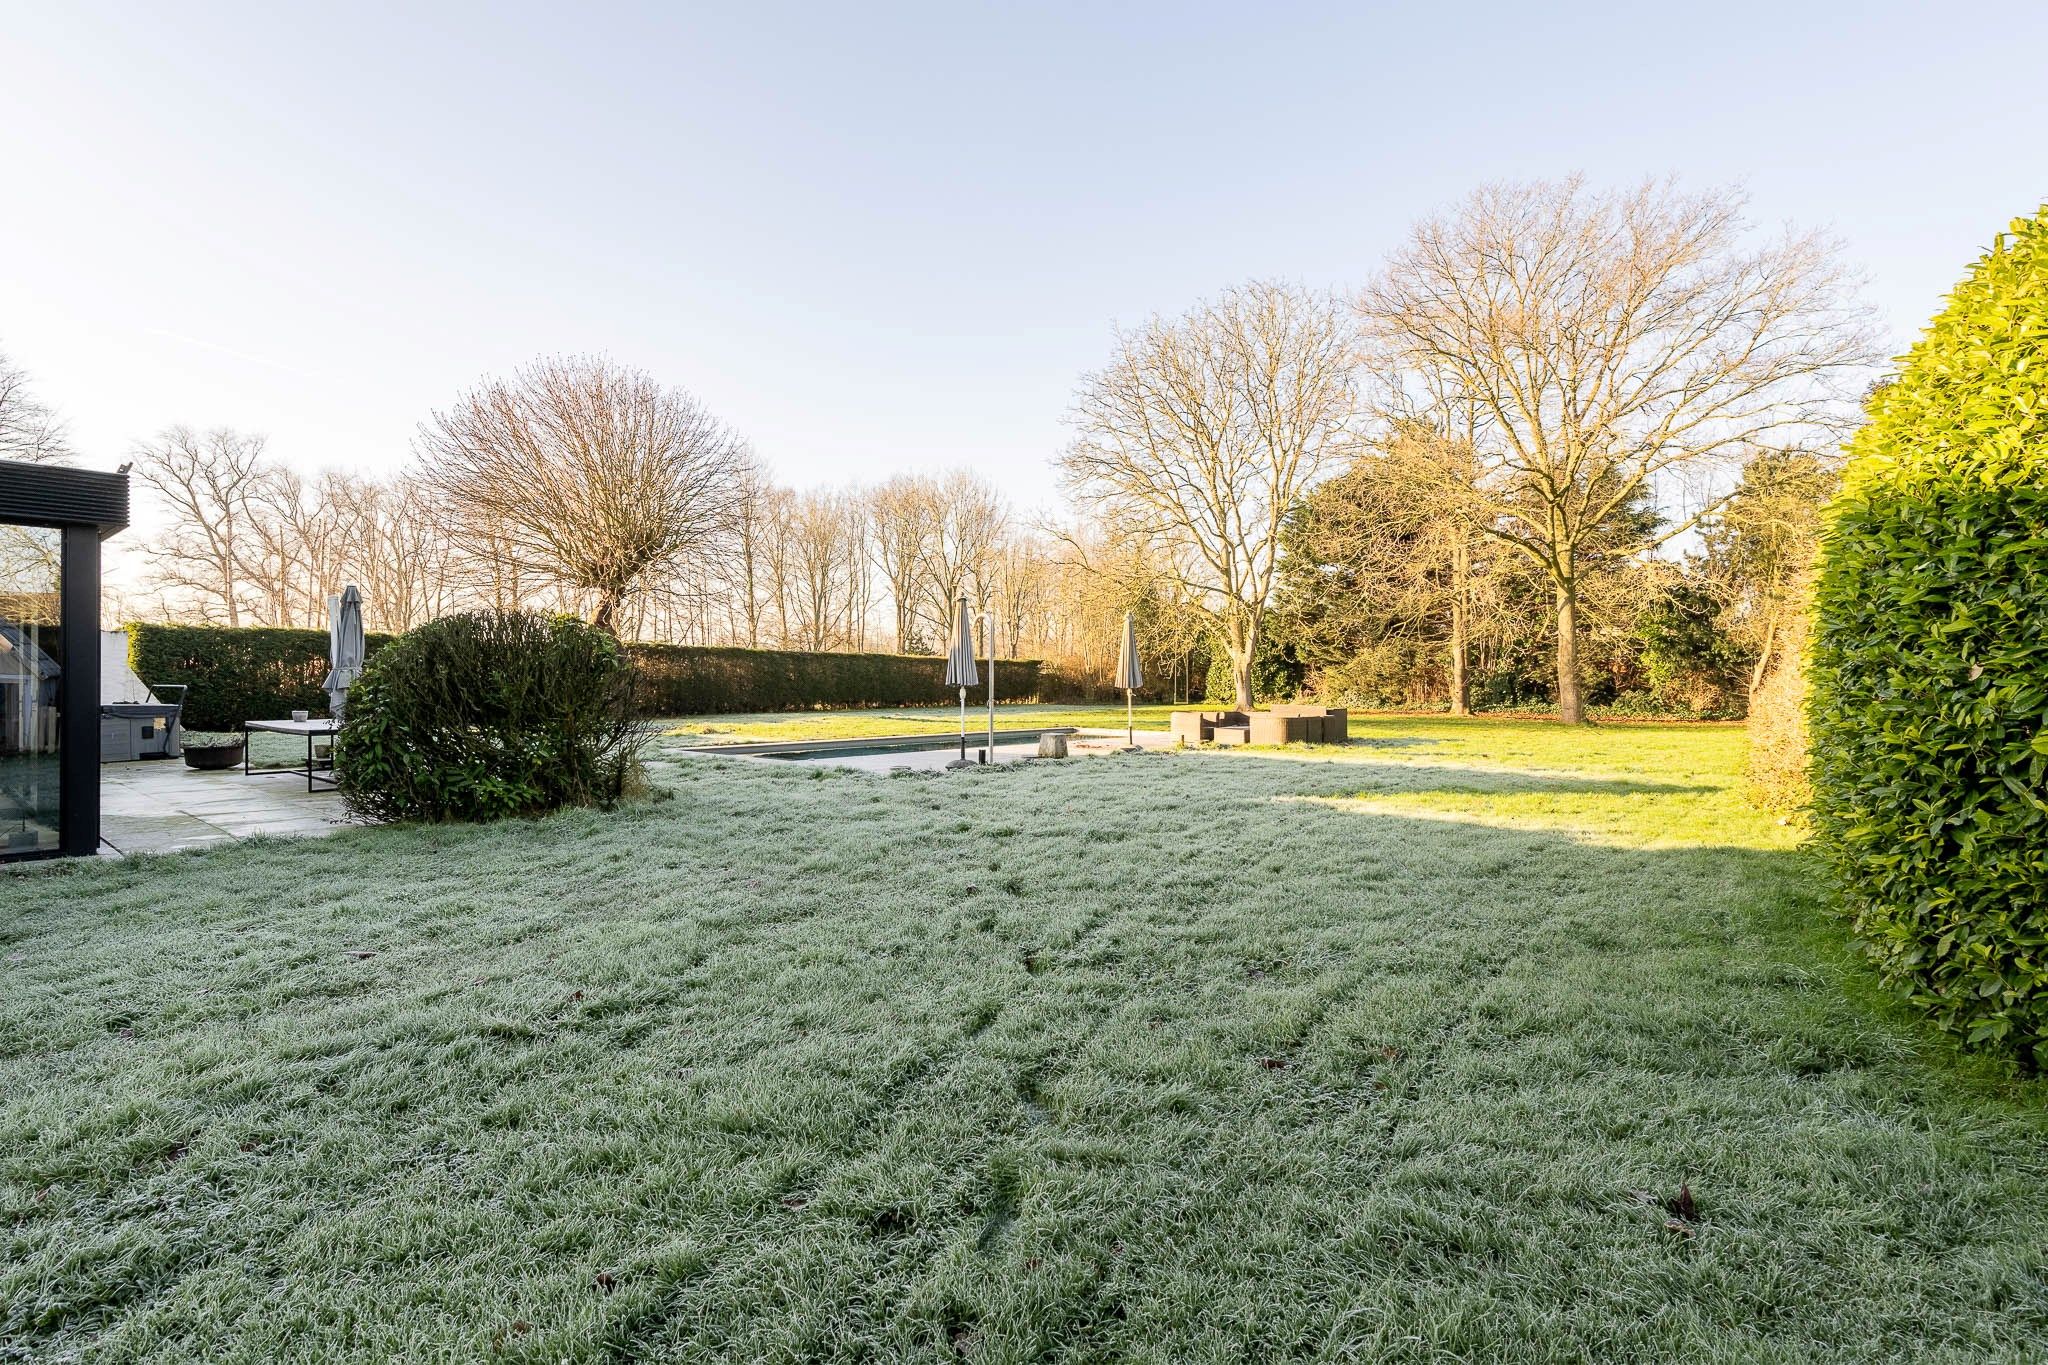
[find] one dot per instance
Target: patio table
(322, 770)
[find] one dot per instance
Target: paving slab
(164, 806)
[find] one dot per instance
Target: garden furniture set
(1275, 725)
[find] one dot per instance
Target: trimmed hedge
(695, 680)
(1930, 663)
(250, 672)
(236, 673)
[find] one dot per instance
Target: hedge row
(242, 673)
(1930, 663)
(692, 680)
(235, 673)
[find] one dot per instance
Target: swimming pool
(891, 752)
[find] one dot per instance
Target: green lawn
(1398, 1052)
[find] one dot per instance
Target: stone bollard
(1052, 746)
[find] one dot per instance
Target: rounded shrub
(488, 714)
(1929, 669)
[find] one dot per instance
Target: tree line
(580, 485)
(1556, 419)
(1565, 447)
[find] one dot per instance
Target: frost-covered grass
(1399, 1052)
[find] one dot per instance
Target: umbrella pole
(1130, 725)
(963, 725)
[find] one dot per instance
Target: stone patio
(162, 806)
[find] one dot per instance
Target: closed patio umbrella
(345, 647)
(960, 670)
(1129, 676)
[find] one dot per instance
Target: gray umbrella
(345, 647)
(1129, 676)
(960, 670)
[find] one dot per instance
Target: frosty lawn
(1398, 1052)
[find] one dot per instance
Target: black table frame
(321, 770)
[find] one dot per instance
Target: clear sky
(880, 237)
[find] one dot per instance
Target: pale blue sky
(881, 237)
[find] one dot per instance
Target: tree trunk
(1763, 660)
(1570, 709)
(1240, 647)
(605, 615)
(1461, 580)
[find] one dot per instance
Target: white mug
(300, 715)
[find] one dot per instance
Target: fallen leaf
(1683, 1205)
(605, 1283)
(1273, 1063)
(360, 953)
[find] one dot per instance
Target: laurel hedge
(243, 673)
(1929, 673)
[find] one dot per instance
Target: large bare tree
(210, 484)
(587, 473)
(1604, 351)
(1203, 432)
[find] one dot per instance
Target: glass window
(31, 669)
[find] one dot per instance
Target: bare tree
(1025, 577)
(29, 429)
(588, 473)
(967, 520)
(387, 538)
(858, 576)
(903, 514)
(818, 561)
(208, 483)
(1203, 432)
(746, 567)
(1605, 350)
(290, 545)
(778, 556)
